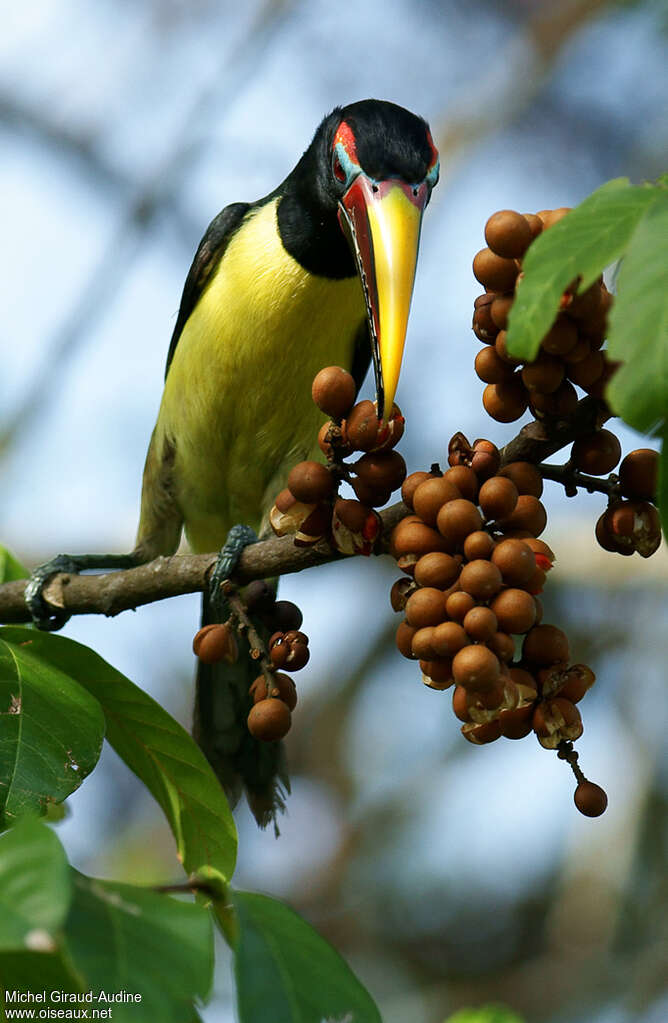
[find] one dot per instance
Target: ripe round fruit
(587, 371)
(476, 667)
(457, 605)
(508, 234)
(495, 272)
(525, 476)
(597, 453)
(503, 646)
(286, 615)
(590, 799)
(457, 519)
(529, 514)
(561, 338)
(215, 643)
(480, 624)
(481, 579)
(310, 482)
(438, 670)
(386, 469)
(544, 375)
(478, 545)
(465, 480)
(425, 607)
(638, 474)
(269, 720)
(284, 688)
(422, 645)
(501, 349)
(334, 391)
(500, 308)
(410, 485)
(507, 401)
(483, 325)
(437, 569)
(485, 459)
(448, 639)
(516, 562)
(490, 368)
(431, 495)
(404, 640)
(545, 645)
(515, 610)
(411, 536)
(498, 497)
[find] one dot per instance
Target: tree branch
(114, 592)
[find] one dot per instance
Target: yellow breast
(237, 401)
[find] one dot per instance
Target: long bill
(382, 221)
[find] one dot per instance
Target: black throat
(312, 235)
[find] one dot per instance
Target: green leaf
(36, 971)
(35, 889)
(583, 243)
(10, 568)
(485, 1014)
(51, 730)
(286, 973)
(638, 334)
(159, 751)
(124, 938)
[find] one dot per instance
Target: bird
(318, 272)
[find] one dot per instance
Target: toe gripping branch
(49, 617)
(238, 538)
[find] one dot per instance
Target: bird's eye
(337, 169)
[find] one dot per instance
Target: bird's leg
(44, 615)
(238, 538)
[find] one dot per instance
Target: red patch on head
(344, 135)
(434, 150)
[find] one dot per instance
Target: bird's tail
(222, 704)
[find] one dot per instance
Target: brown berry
(412, 537)
(485, 458)
(597, 453)
(501, 349)
(400, 592)
(382, 469)
(410, 485)
(561, 338)
(431, 495)
(476, 667)
(332, 442)
(545, 645)
(503, 646)
(490, 368)
(508, 234)
(586, 372)
(334, 391)
(457, 605)
(422, 646)
(479, 735)
(555, 721)
(516, 562)
(478, 545)
(465, 479)
(525, 476)
(498, 497)
(507, 401)
(404, 640)
(456, 520)
(544, 375)
(439, 672)
(529, 514)
(480, 624)
(515, 610)
(366, 432)
(437, 569)
(425, 607)
(448, 639)
(215, 643)
(310, 482)
(551, 217)
(495, 272)
(283, 687)
(638, 474)
(286, 615)
(590, 799)
(269, 720)
(481, 579)
(483, 325)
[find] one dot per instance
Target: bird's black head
(354, 204)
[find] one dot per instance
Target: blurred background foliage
(448, 875)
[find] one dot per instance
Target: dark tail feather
(241, 763)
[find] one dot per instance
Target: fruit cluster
(631, 521)
(571, 352)
(474, 566)
(310, 506)
(273, 693)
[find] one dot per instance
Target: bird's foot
(238, 538)
(47, 616)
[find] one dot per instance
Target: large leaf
(638, 334)
(51, 729)
(583, 243)
(10, 568)
(123, 938)
(35, 888)
(286, 973)
(158, 750)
